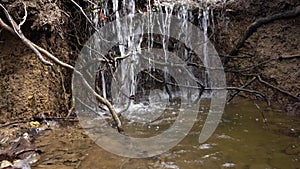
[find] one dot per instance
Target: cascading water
(150, 66)
(130, 40)
(205, 24)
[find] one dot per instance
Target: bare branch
(102, 100)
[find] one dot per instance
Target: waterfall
(130, 38)
(148, 60)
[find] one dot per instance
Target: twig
(80, 161)
(66, 95)
(70, 111)
(237, 92)
(91, 2)
(238, 57)
(174, 84)
(125, 161)
(26, 150)
(258, 23)
(87, 106)
(262, 113)
(53, 118)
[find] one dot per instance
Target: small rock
(5, 164)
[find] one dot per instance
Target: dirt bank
(264, 51)
(27, 87)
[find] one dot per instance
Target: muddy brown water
(242, 140)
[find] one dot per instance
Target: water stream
(243, 140)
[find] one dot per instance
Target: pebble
(5, 164)
(228, 165)
(292, 150)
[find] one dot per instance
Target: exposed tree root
(258, 23)
(252, 28)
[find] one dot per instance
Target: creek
(243, 139)
(178, 91)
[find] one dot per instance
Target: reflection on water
(242, 140)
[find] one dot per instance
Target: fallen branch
(100, 98)
(262, 21)
(263, 95)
